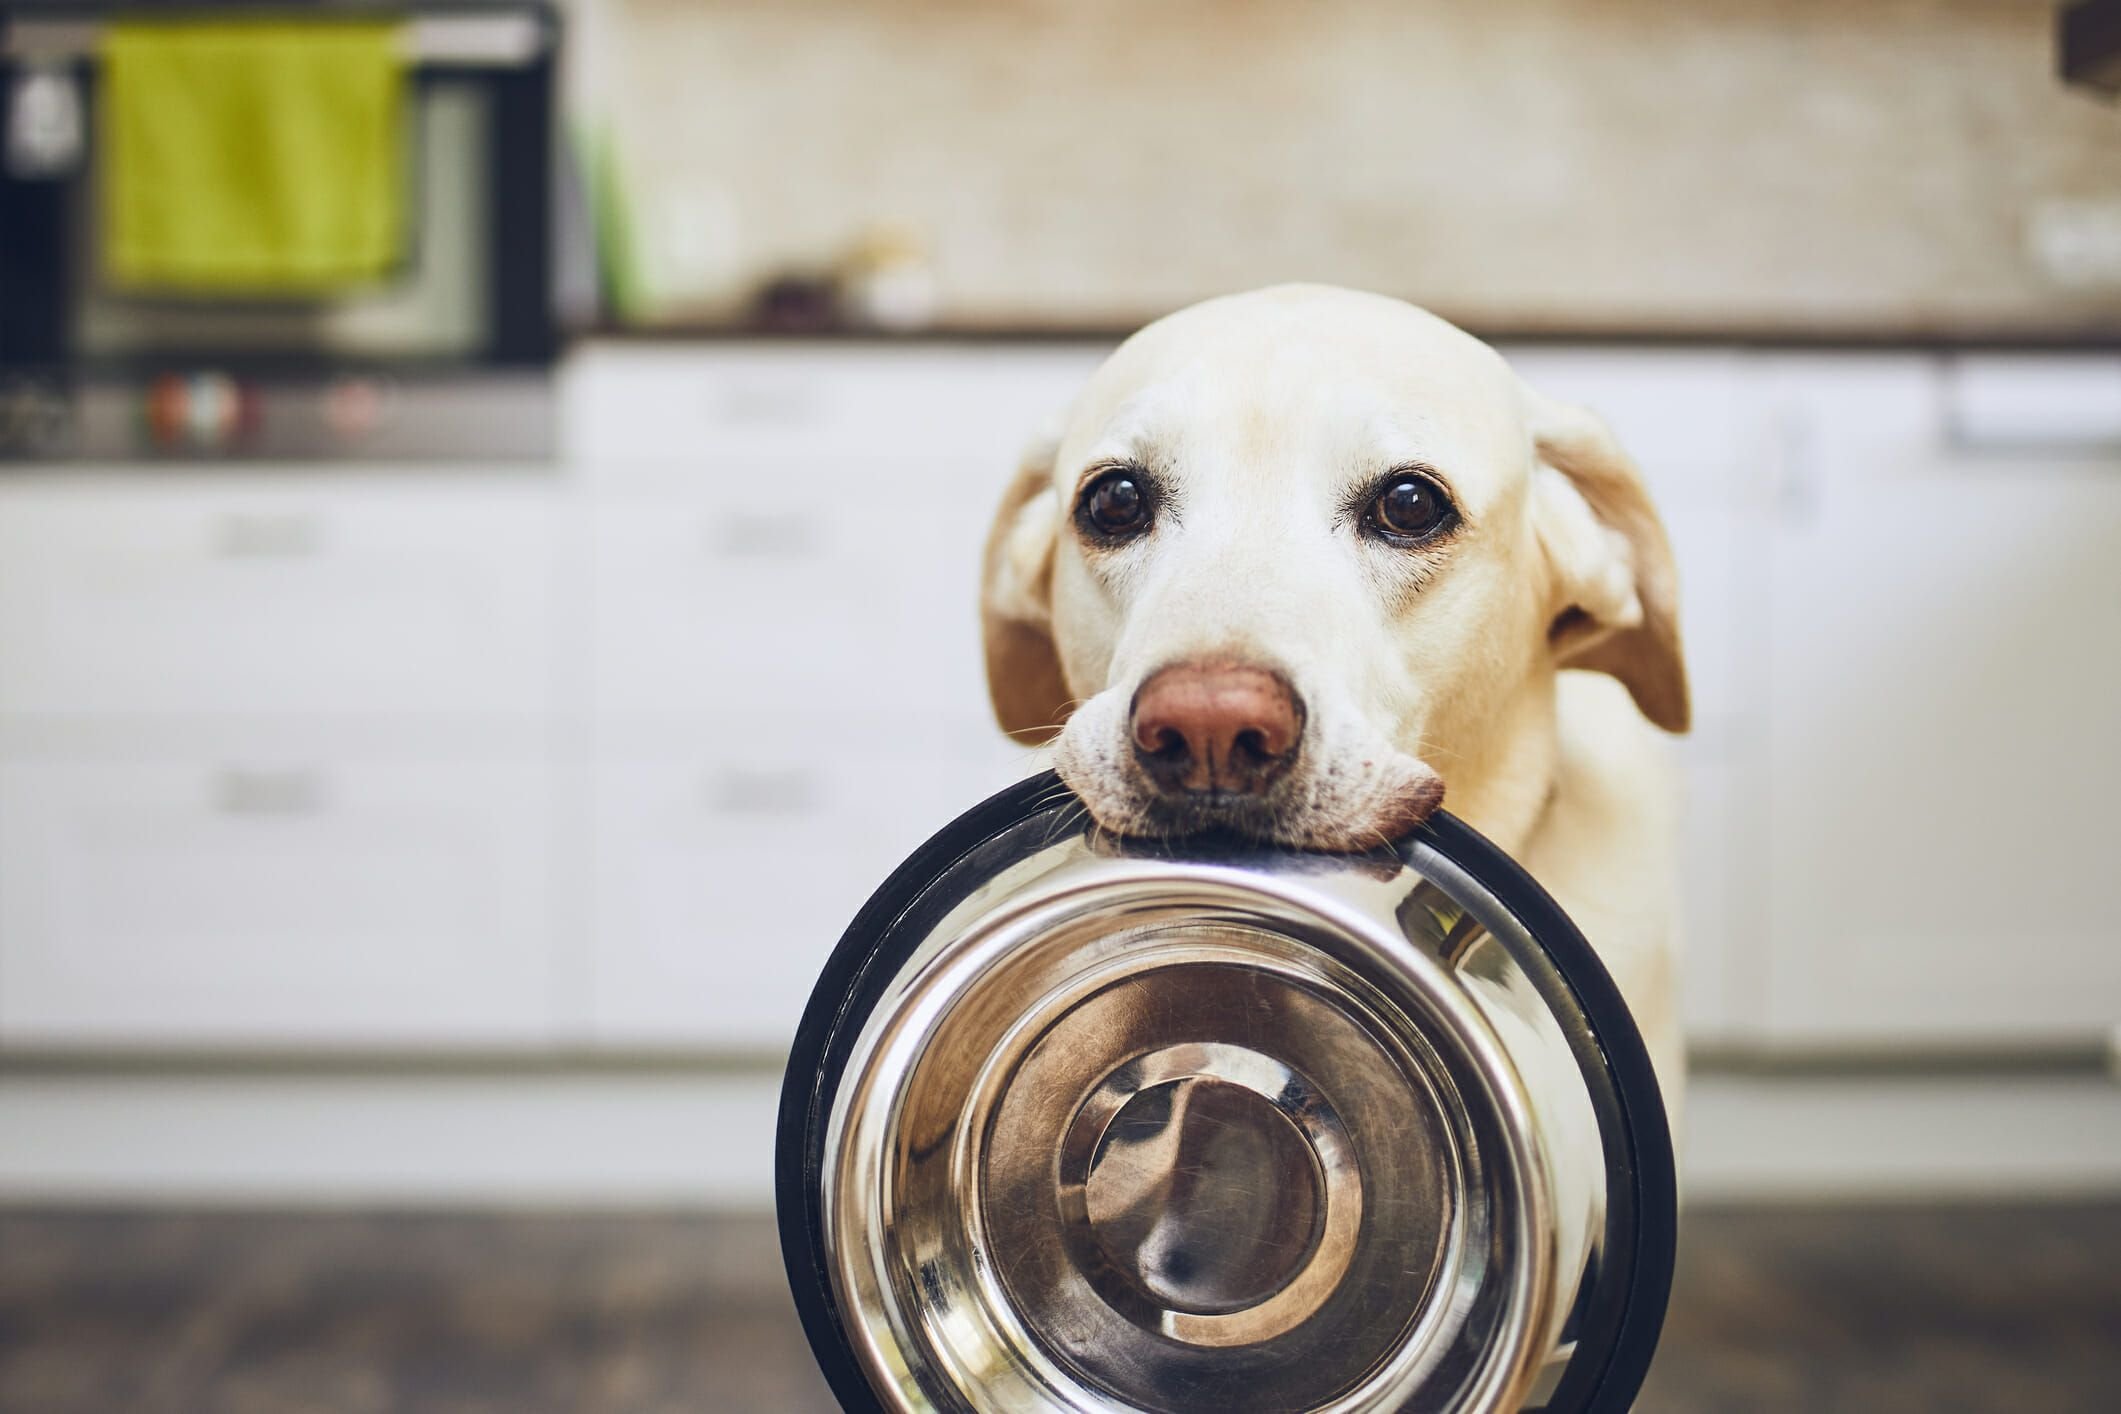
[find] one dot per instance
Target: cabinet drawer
(793, 602)
(277, 903)
(274, 599)
(724, 879)
(695, 413)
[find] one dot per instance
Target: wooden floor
(1874, 1310)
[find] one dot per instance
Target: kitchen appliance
(1079, 1123)
(448, 358)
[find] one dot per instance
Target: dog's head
(1294, 555)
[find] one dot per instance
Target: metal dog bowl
(1077, 1124)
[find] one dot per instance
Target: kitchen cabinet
(724, 874)
(850, 599)
(1942, 695)
(285, 591)
(608, 754)
(275, 759)
(784, 679)
(679, 417)
(1719, 999)
(303, 904)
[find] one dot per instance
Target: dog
(1304, 563)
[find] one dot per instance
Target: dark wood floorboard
(1873, 1310)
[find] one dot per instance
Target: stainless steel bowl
(1076, 1123)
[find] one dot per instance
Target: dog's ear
(1615, 605)
(1024, 678)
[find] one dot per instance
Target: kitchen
(451, 705)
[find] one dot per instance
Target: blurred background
(461, 664)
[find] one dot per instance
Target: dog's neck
(1501, 780)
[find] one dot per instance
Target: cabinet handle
(769, 404)
(764, 535)
(250, 790)
(253, 535)
(2053, 405)
(738, 790)
(1796, 470)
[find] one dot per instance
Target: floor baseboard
(702, 1138)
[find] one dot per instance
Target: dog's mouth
(1301, 815)
(1224, 812)
(1340, 789)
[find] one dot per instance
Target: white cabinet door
(276, 904)
(1945, 690)
(725, 875)
(795, 591)
(1719, 940)
(255, 597)
(675, 417)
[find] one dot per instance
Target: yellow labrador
(1302, 561)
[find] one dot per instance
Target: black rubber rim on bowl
(1642, 1192)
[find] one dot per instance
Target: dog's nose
(1216, 727)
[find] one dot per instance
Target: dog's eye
(1115, 506)
(1410, 508)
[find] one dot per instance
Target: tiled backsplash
(1891, 166)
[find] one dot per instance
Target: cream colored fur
(1263, 414)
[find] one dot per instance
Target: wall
(1904, 167)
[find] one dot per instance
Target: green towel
(256, 156)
